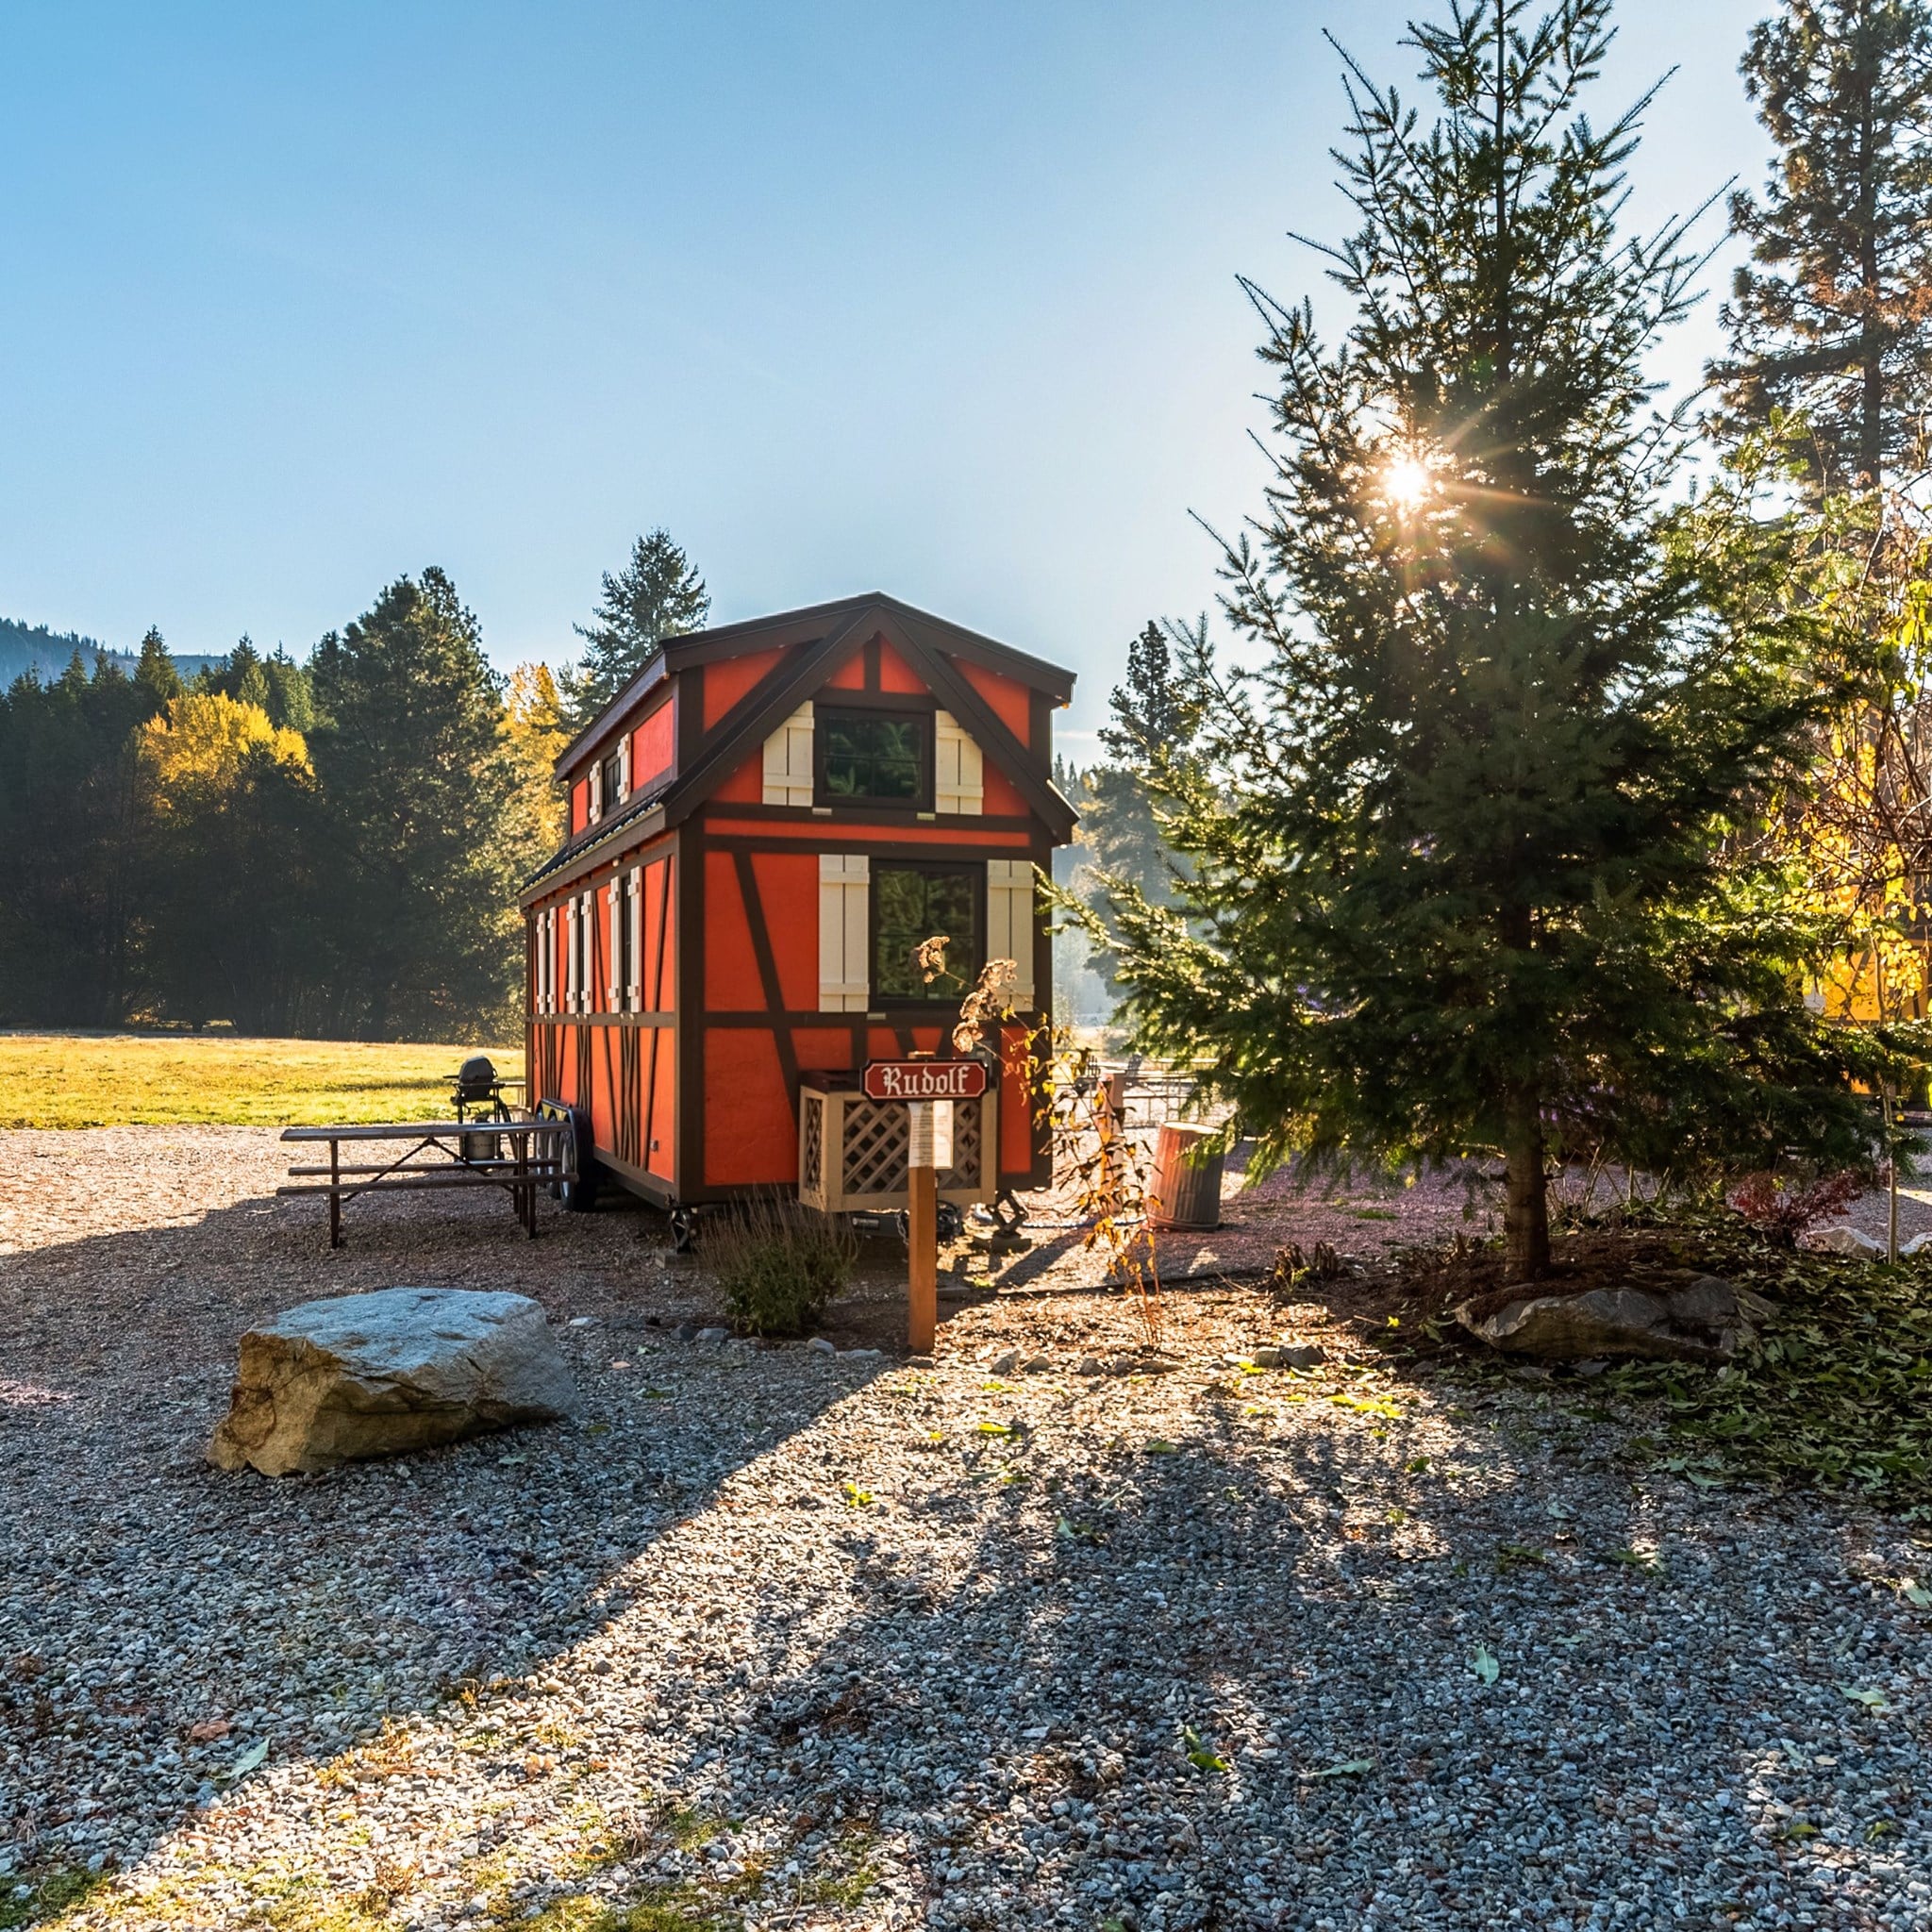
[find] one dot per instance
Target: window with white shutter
(570, 956)
(587, 975)
(958, 781)
(623, 768)
(634, 926)
(546, 960)
(1010, 922)
(844, 931)
(619, 931)
(788, 760)
(596, 785)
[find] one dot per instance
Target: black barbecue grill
(478, 1095)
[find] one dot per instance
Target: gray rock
(1303, 1354)
(1006, 1364)
(1089, 1365)
(1705, 1321)
(819, 1345)
(377, 1374)
(714, 1335)
(1846, 1240)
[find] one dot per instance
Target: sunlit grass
(171, 1079)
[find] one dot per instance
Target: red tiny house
(762, 825)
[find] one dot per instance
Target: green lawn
(165, 1079)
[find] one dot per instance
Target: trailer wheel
(580, 1195)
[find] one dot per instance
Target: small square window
(883, 758)
(912, 904)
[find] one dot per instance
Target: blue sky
(938, 300)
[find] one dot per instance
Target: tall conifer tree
(657, 594)
(1831, 318)
(1460, 878)
(417, 784)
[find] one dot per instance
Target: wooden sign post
(929, 1087)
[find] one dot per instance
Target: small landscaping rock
(1705, 1321)
(1846, 1240)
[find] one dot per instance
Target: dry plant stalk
(1109, 1170)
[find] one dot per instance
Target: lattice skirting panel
(852, 1152)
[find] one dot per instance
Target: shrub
(1784, 1206)
(778, 1264)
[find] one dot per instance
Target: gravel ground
(785, 1637)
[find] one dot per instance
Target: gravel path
(781, 1638)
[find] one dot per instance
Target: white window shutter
(788, 760)
(614, 897)
(596, 783)
(570, 956)
(958, 780)
(635, 951)
(1010, 922)
(546, 961)
(587, 979)
(844, 932)
(623, 769)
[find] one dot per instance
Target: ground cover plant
(171, 1079)
(1832, 1396)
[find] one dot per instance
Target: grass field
(168, 1079)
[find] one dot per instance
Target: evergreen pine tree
(1831, 320)
(418, 785)
(657, 594)
(1461, 884)
(155, 672)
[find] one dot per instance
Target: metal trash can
(1186, 1188)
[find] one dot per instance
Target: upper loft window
(881, 757)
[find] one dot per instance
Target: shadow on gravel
(1224, 1682)
(161, 1621)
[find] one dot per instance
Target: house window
(615, 785)
(912, 904)
(883, 757)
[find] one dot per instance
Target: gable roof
(828, 634)
(809, 624)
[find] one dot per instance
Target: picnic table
(519, 1155)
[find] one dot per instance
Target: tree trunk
(1527, 1216)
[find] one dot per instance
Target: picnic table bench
(519, 1155)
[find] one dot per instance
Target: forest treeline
(331, 847)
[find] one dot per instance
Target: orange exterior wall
(653, 746)
(1011, 701)
(727, 680)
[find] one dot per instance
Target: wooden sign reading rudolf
(928, 1088)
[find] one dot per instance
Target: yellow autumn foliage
(534, 726)
(197, 746)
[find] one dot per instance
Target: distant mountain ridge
(25, 647)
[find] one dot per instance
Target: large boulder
(1706, 1319)
(378, 1374)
